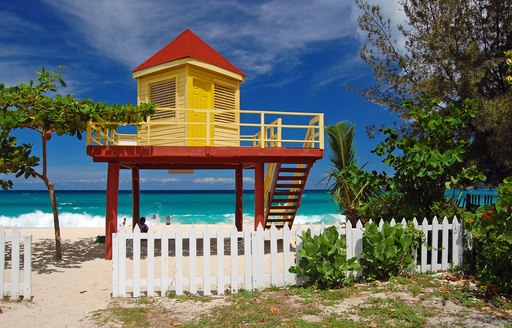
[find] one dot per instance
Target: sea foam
(39, 219)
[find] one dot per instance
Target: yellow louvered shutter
(224, 99)
(163, 94)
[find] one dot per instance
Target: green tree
(37, 106)
(431, 159)
(453, 50)
(349, 184)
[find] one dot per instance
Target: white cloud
(248, 180)
(211, 180)
(82, 181)
(257, 37)
(159, 180)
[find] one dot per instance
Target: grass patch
(400, 302)
(392, 313)
(331, 297)
(188, 297)
(127, 316)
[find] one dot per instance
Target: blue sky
(298, 56)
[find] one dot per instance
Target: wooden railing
(249, 128)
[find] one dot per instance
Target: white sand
(65, 292)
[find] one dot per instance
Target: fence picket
(358, 236)
(424, 253)
(298, 246)
(179, 261)
(234, 259)
(444, 254)
(273, 255)
(192, 278)
(206, 259)
(350, 239)
(150, 260)
(116, 268)
(248, 269)
(136, 261)
(164, 262)
(2, 261)
(288, 277)
(122, 263)
(456, 242)
(435, 244)
(220, 263)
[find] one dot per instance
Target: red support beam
(135, 196)
(259, 189)
(112, 203)
(239, 210)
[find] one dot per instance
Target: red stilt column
(239, 211)
(135, 196)
(259, 189)
(112, 203)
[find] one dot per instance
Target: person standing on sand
(168, 220)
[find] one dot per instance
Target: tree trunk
(46, 135)
(56, 224)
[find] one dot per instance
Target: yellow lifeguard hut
(198, 124)
(188, 73)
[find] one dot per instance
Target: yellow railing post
(149, 131)
(279, 131)
(321, 130)
(88, 142)
(262, 129)
(208, 129)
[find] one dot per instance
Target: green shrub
(388, 252)
(490, 257)
(323, 259)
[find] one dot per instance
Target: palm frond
(341, 137)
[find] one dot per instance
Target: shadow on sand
(74, 253)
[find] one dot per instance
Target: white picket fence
(207, 261)
(15, 264)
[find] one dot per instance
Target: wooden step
(289, 186)
(284, 201)
(291, 177)
(281, 213)
(283, 207)
(278, 220)
(293, 169)
(286, 193)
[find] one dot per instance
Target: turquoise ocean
(87, 208)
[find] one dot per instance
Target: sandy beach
(65, 292)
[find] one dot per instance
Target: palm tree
(349, 185)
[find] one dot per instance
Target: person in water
(142, 225)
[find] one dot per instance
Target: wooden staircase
(285, 184)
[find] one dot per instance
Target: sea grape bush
(490, 257)
(323, 260)
(390, 251)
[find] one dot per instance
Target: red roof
(185, 45)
